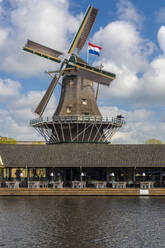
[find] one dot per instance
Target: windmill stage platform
(88, 128)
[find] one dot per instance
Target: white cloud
(9, 89)
(141, 115)
(139, 126)
(128, 12)
(140, 80)
(24, 107)
(125, 53)
(15, 129)
(161, 38)
(123, 45)
(14, 120)
(49, 23)
(31, 99)
(152, 82)
(3, 35)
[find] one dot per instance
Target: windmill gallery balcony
(77, 129)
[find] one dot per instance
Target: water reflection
(82, 222)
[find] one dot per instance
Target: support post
(80, 173)
(117, 175)
(9, 175)
(134, 176)
(107, 174)
(161, 176)
(28, 174)
(64, 170)
(2, 173)
(6, 173)
(71, 176)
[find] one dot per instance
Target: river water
(82, 222)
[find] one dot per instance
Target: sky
(132, 37)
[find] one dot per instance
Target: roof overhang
(82, 155)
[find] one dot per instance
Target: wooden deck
(81, 192)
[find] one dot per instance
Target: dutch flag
(94, 49)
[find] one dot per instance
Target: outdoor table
(44, 184)
(119, 185)
(33, 184)
(57, 184)
(100, 184)
(146, 184)
(12, 184)
(78, 184)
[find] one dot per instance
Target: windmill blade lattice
(43, 51)
(44, 101)
(87, 28)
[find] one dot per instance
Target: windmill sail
(86, 30)
(44, 101)
(42, 51)
(85, 26)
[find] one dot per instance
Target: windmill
(77, 117)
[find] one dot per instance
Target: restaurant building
(88, 163)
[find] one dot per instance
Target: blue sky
(132, 37)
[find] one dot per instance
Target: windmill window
(84, 101)
(68, 109)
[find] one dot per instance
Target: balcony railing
(79, 118)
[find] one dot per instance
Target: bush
(5, 140)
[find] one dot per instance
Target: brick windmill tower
(77, 117)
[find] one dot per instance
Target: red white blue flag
(94, 49)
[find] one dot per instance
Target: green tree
(153, 141)
(5, 140)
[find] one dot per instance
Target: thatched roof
(85, 155)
